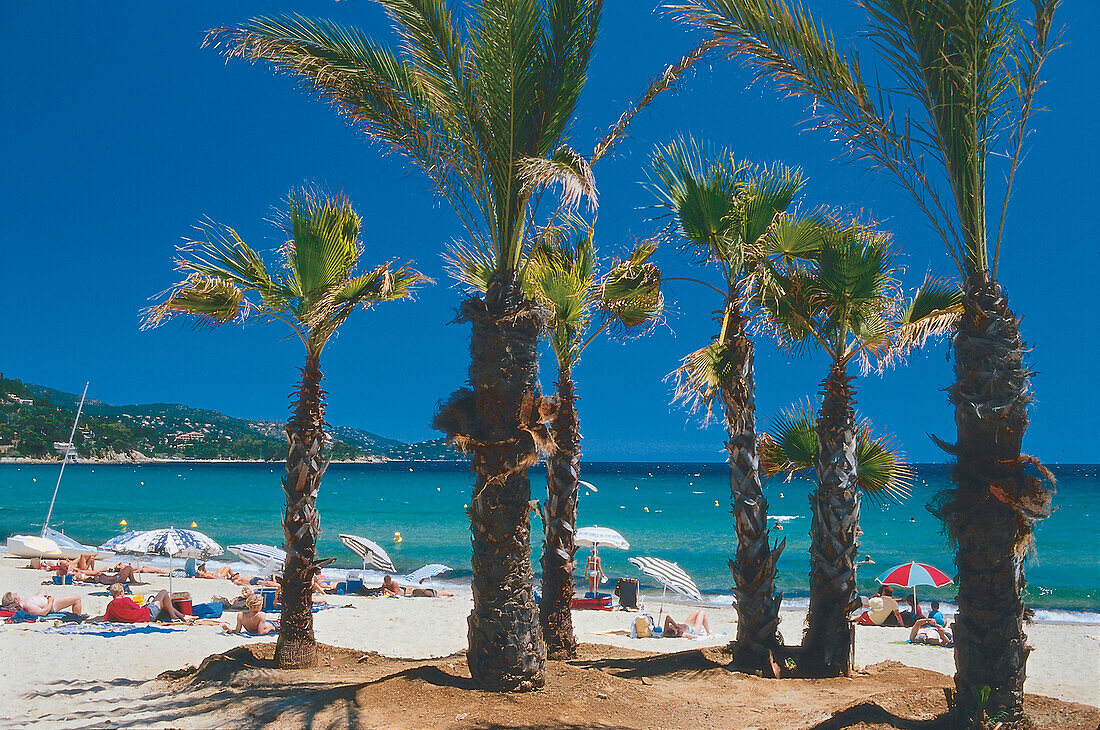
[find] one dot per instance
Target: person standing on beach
(594, 571)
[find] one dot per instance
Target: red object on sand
(603, 603)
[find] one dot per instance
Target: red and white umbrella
(913, 574)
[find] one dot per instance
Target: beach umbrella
(670, 575)
(599, 536)
(171, 541)
(913, 574)
(267, 558)
(370, 552)
(427, 573)
(111, 545)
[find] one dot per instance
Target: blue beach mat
(106, 630)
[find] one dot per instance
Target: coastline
(1065, 664)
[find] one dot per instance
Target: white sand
(80, 681)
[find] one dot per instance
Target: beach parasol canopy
(428, 571)
(111, 545)
(670, 575)
(913, 574)
(370, 552)
(266, 558)
(171, 541)
(599, 537)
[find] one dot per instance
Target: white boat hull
(33, 546)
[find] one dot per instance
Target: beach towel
(326, 606)
(106, 630)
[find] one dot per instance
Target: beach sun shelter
(371, 553)
(913, 574)
(671, 577)
(268, 559)
(170, 541)
(594, 537)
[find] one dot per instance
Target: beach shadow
(681, 664)
(432, 675)
(871, 713)
(550, 726)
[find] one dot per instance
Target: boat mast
(65, 459)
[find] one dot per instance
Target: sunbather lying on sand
(320, 585)
(158, 607)
(142, 568)
(253, 619)
(241, 580)
(125, 574)
(223, 572)
(391, 588)
(695, 627)
(236, 604)
(927, 631)
(40, 604)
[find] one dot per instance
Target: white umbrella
(427, 573)
(266, 558)
(600, 536)
(171, 541)
(370, 552)
(669, 575)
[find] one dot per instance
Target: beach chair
(627, 591)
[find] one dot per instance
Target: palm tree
(562, 274)
(483, 111)
(320, 285)
(967, 73)
(844, 297)
(727, 214)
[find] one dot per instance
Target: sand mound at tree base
(606, 687)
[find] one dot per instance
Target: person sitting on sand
(253, 619)
(320, 585)
(391, 588)
(157, 607)
(695, 626)
(40, 604)
(927, 631)
(238, 603)
(883, 609)
(936, 615)
(910, 612)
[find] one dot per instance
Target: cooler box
(269, 598)
(353, 585)
(181, 601)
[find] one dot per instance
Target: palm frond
(565, 167)
(323, 244)
(882, 472)
(630, 294)
(789, 446)
(700, 376)
(210, 300)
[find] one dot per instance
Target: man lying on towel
(157, 608)
(41, 603)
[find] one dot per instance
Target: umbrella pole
(664, 589)
(170, 592)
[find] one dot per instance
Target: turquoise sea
(665, 510)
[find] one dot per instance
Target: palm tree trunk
(498, 421)
(994, 505)
(753, 566)
(828, 642)
(560, 521)
(296, 647)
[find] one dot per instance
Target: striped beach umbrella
(266, 558)
(670, 575)
(428, 571)
(371, 553)
(171, 541)
(110, 545)
(913, 574)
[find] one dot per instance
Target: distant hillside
(33, 417)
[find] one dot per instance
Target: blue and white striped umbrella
(370, 551)
(171, 541)
(428, 571)
(266, 558)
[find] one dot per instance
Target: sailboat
(53, 543)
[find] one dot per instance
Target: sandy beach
(75, 681)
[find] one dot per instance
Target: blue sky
(119, 133)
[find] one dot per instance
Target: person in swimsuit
(927, 631)
(41, 603)
(255, 580)
(391, 588)
(253, 620)
(695, 626)
(594, 570)
(158, 607)
(223, 572)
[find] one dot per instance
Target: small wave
(785, 518)
(695, 492)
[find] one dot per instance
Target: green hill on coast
(33, 417)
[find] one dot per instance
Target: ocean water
(665, 510)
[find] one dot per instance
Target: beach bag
(207, 610)
(642, 628)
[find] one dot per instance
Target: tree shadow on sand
(681, 665)
(872, 714)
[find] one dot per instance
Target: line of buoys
(397, 537)
(122, 523)
(646, 509)
(193, 525)
(716, 503)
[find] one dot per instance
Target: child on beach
(253, 620)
